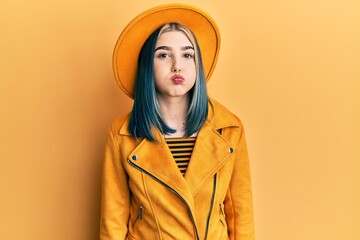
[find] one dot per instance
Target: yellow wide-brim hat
(131, 40)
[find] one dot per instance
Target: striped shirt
(181, 149)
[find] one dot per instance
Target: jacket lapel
(155, 159)
(210, 153)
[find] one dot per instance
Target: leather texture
(146, 197)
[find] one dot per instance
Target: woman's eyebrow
(187, 47)
(163, 48)
(169, 48)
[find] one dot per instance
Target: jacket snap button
(231, 150)
(135, 157)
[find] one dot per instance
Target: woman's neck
(173, 110)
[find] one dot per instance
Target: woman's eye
(163, 55)
(188, 55)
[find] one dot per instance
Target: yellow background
(290, 69)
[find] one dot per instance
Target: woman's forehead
(173, 39)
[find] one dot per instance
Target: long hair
(146, 114)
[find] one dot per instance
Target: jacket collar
(219, 117)
(210, 153)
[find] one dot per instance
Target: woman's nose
(176, 66)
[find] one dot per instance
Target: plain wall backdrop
(290, 69)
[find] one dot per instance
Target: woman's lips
(177, 79)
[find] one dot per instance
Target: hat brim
(131, 40)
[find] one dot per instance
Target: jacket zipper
(139, 216)
(211, 207)
(171, 190)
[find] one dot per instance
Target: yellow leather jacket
(146, 197)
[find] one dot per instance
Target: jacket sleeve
(115, 194)
(238, 201)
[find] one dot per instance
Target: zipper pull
(140, 212)
(139, 216)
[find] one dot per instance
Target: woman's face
(174, 65)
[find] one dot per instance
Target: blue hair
(146, 114)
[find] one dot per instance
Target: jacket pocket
(139, 216)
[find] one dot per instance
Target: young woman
(177, 166)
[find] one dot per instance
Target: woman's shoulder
(120, 123)
(220, 115)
